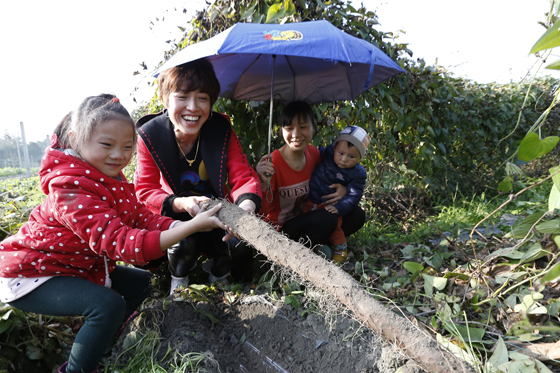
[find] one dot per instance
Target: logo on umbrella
(283, 35)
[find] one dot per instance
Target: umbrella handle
(271, 100)
(269, 194)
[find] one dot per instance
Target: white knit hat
(357, 136)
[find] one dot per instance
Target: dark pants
(318, 225)
(105, 309)
(231, 256)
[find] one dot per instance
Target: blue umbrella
(308, 61)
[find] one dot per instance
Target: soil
(257, 334)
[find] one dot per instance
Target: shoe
(207, 267)
(178, 283)
(62, 368)
(130, 318)
(340, 253)
(340, 256)
(324, 251)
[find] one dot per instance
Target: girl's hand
(206, 220)
(333, 198)
(189, 204)
(265, 169)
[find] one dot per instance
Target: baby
(340, 164)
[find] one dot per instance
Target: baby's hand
(331, 209)
(206, 220)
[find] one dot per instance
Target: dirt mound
(255, 334)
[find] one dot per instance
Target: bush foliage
(442, 131)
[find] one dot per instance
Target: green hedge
(442, 131)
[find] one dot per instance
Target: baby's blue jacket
(328, 173)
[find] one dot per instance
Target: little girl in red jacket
(63, 261)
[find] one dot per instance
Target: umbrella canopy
(309, 61)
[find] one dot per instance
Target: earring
(165, 113)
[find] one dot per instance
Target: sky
(55, 53)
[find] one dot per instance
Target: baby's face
(346, 157)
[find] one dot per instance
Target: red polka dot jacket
(85, 217)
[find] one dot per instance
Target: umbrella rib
(293, 76)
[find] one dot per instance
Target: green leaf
(554, 198)
(5, 325)
(522, 228)
(554, 66)
(499, 357)
(34, 353)
(529, 306)
(556, 239)
(523, 364)
(532, 147)
(550, 226)
(505, 185)
(456, 350)
(390, 285)
(512, 169)
(289, 6)
(413, 267)
(213, 15)
(552, 275)
(529, 337)
(435, 261)
(166, 304)
(440, 282)
(212, 318)
(6, 316)
(555, 178)
(535, 252)
(198, 287)
(528, 364)
(428, 285)
(459, 275)
(468, 334)
(249, 11)
(131, 339)
(506, 253)
(513, 276)
(275, 12)
(548, 40)
(431, 282)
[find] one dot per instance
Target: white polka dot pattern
(84, 212)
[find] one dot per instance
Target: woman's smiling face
(298, 134)
(188, 111)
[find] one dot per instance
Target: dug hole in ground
(255, 334)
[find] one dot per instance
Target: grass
(451, 287)
(14, 171)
